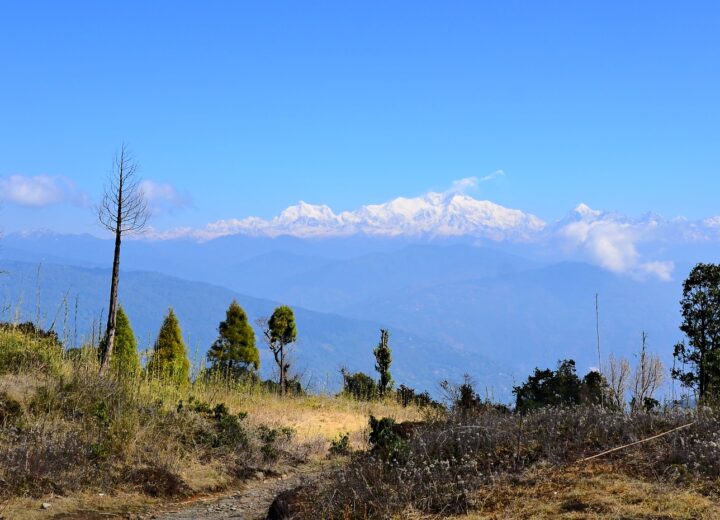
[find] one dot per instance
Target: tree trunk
(702, 372)
(282, 370)
(109, 343)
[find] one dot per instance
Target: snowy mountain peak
(302, 211)
(430, 215)
(584, 211)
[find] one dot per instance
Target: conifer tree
(383, 359)
(125, 360)
(169, 358)
(234, 351)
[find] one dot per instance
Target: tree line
(234, 355)
(696, 364)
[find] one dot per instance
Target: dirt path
(250, 502)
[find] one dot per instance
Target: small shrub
(222, 430)
(359, 386)
(407, 396)
(293, 387)
(273, 441)
(386, 442)
(24, 348)
(341, 446)
(29, 330)
(158, 482)
(11, 411)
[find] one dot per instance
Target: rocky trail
(249, 502)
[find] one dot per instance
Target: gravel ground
(251, 502)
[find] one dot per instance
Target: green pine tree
(169, 358)
(383, 359)
(125, 361)
(234, 351)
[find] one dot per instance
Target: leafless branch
(124, 206)
(618, 378)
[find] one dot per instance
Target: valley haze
(464, 285)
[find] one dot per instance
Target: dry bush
(72, 431)
(439, 470)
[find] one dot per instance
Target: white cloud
(41, 190)
(712, 222)
(660, 270)
(612, 242)
(163, 197)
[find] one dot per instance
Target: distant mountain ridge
(456, 215)
(326, 342)
(452, 306)
(432, 214)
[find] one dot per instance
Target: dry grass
(487, 461)
(88, 506)
(593, 493)
(318, 416)
(152, 425)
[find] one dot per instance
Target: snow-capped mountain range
(614, 241)
(432, 214)
(443, 215)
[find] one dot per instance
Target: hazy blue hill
(536, 317)
(82, 249)
(325, 275)
(334, 285)
(463, 304)
(326, 342)
(211, 261)
(266, 274)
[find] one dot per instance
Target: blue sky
(243, 108)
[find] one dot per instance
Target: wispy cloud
(163, 197)
(494, 175)
(41, 190)
(661, 270)
(463, 185)
(469, 184)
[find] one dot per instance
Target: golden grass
(592, 493)
(21, 387)
(87, 506)
(317, 416)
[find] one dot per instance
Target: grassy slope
(601, 491)
(28, 369)
(598, 492)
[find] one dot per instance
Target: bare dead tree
(123, 210)
(649, 375)
(617, 374)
